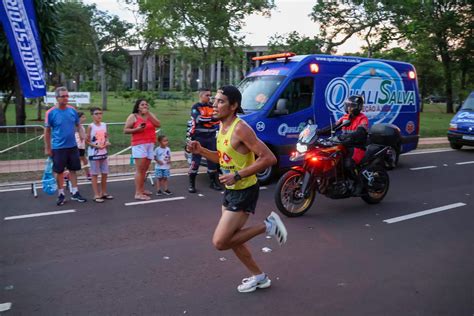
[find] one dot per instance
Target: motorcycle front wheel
(378, 187)
(288, 196)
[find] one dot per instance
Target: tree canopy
(434, 35)
(202, 28)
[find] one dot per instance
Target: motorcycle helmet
(356, 102)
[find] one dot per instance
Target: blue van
(286, 91)
(461, 128)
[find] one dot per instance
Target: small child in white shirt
(163, 166)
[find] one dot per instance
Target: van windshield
(256, 91)
(468, 104)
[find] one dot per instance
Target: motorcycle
(323, 171)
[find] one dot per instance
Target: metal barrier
(22, 157)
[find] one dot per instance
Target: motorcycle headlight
(301, 148)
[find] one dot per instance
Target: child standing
(98, 141)
(81, 142)
(162, 168)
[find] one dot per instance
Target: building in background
(171, 72)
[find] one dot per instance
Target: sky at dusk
(288, 16)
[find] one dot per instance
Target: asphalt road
(343, 257)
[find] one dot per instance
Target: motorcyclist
(203, 129)
(353, 137)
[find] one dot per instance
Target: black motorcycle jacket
(353, 135)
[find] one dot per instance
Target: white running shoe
(277, 228)
(250, 284)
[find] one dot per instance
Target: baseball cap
(233, 94)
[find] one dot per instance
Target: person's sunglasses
(64, 96)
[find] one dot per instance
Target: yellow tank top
(231, 160)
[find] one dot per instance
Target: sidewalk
(433, 141)
(10, 166)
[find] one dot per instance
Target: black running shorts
(66, 158)
(242, 200)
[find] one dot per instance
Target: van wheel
(266, 176)
(455, 146)
(393, 160)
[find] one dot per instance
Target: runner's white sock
(60, 191)
(268, 226)
(74, 190)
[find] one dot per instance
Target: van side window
(299, 94)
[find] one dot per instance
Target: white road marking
(155, 201)
(5, 306)
(114, 180)
(422, 168)
(464, 163)
(423, 213)
(427, 151)
(39, 214)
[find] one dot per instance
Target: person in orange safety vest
(203, 129)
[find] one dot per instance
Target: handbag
(49, 182)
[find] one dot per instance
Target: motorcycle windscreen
(307, 134)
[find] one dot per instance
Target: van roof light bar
(274, 56)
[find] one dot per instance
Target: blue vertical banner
(19, 22)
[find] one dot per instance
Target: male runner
(237, 146)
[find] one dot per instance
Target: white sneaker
(250, 284)
(277, 228)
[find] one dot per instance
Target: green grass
(434, 121)
(173, 115)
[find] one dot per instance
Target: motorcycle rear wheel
(287, 195)
(379, 188)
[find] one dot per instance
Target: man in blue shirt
(61, 123)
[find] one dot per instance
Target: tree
(442, 27)
(109, 36)
(150, 35)
(446, 25)
(340, 21)
(47, 16)
(99, 37)
(75, 23)
(205, 26)
(294, 42)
